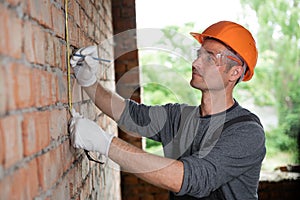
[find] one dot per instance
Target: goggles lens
(209, 58)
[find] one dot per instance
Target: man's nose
(196, 63)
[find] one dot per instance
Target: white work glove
(85, 66)
(86, 134)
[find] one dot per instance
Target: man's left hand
(86, 134)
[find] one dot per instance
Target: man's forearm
(162, 172)
(109, 102)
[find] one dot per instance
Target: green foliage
(279, 72)
(152, 143)
(166, 72)
(277, 142)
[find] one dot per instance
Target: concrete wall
(36, 158)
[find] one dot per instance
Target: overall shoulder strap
(208, 143)
(218, 194)
(244, 118)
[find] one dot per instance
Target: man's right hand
(85, 66)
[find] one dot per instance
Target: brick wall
(36, 159)
(277, 185)
(128, 85)
(278, 190)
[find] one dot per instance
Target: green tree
(278, 38)
(166, 71)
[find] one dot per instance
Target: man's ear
(235, 73)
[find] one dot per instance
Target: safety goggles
(209, 58)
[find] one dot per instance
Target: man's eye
(210, 58)
(198, 53)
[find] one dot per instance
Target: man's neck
(215, 102)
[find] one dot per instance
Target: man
(203, 159)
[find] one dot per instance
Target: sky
(161, 13)
(157, 14)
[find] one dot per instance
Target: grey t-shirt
(232, 162)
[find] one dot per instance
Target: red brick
(58, 19)
(70, 177)
(61, 191)
(41, 85)
(83, 39)
(23, 184)
(29, 134)
(128, 3)
(86, 5)
(76, 13)
(67, 152)
(83, 21)
(131, 180)
(10, 86)
(127, 12)
(37, 77)
(56, 51)
(73, 34)
(50, 94)
(36, 86)
(58, 124)
(34, 43)
(31, 174)
(49, 168)
(11, 33)
(13, 2)
(12, 139)
(75, 180)
(14, 37)
(2, 147)
(97, 34)
(4, 29)
(76, 92)
(130, 57)
(73, 10)
(53, 88)
(130, 78)
(121, 67)
(63, 57)
(49, 50)
(90, 30)
(2, 90)
(29, 42)
(87, 189)
(45, 97)
(22, 87)
(38, 38)
(42, 129)
(38, 12)
(62, 88)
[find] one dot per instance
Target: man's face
(207, 72)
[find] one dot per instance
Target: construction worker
(212, 151)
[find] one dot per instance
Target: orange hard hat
(236, 37)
